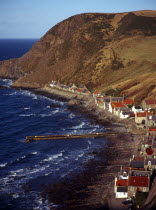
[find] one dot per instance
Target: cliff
(100, 50)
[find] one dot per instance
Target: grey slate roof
(139, 173)
(125, 109)
(148, 141)
(148, 137)
(137, 164)
(107, 99)
(122, 189)
(116, 99)
(127, 113)
(70, 85)
(84, 91)
(137, 107)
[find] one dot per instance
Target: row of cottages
(129, 181)
(54, 84)
(136, 177)
(71, 88)
(116, 105)
(83, 90)
(122, 108)
(125, 108)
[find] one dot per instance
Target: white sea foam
(93, 130)
(17, 171)
(89, 142)
(40, 203)
(3, 164)
(52, 157)
(54, 112)
(26, 108)
(9, 94)
(8, 82)
(35, 97)
(80, 155)
(45, 115)
(26, 115)
(79, 126)
(71, 115)
(48, 173)
(15, 196)
(34, 153)
(37, 170)
(27, 93)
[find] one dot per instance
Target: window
(144, 189)
(124, 174)
(132, 188)
(149, 163)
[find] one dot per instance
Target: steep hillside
(102, 51)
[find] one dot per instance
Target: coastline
(95, 185)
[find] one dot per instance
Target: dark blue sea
(26, 168)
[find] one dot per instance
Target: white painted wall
(121, 195)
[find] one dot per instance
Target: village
(135, 180)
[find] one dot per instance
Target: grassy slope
(138, 75)
(142, 71)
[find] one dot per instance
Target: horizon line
(20, 38)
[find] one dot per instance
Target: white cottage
(136, 109)
(121, 188)
(125, 114)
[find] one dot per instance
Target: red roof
(152, 129)
(79, 90)
(128, 101)
(117, 104)
(150, 102)
(143, 114)
(96, 92)
(100, 102)
(99, 97)
(138, 181)
(139, 158)
(139, 169)
(132, 115)
(122, 182)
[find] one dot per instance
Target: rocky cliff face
(99, 50)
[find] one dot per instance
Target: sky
(33, 18)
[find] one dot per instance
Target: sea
(26, 168)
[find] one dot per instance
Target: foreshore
(93, 189)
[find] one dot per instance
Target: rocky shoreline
(93, 189)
